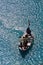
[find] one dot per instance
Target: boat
(23, 47)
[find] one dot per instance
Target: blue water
(14, 15)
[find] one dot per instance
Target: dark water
(14, 15)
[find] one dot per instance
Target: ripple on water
(14, 16)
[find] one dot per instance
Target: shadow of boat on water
(24, 53)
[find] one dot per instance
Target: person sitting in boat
(24, 41)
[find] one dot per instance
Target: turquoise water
(14, 15)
